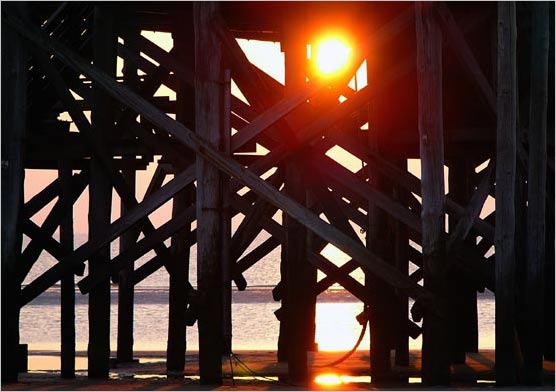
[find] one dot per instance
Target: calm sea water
(254, 323)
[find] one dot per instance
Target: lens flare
(332, 55)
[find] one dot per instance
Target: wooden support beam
(208, 116)
(184, 136)
(255, 255)
(331, 169)
(380, 239)
(124, 350)
(52, 275)
(436, 360)
(549, 273)
(49, 193)
(62, 207)
(463, 51)
(506, 350)
(532, 344)
(296, 273)
(49, 244)
(401, 261)
(154, 264)
(14, 102)
(126, 289)
(178, 293)
(351, 285)
(406, 180)
(166, 59)
(180, 248)
(100, 195)
(226, 213)
(67, 290)
(464, 329)
(93, 139)
(142, 247)
(249, 228)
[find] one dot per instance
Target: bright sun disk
(332, 55)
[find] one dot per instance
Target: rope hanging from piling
(364, 321)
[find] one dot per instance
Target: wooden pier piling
(436, 365)
(67, 285)
(100, 197)
(208, 121)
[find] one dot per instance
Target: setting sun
(332, 55)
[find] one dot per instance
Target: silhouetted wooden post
(14, 93)
(549, 274)
(179, 276)
(100, 196)
(126, 286)
(379, 310)
(178, 296)
(299, 314)
(534, 292)
(435, 360)
(226, 215)
(506, 360)
(67, 295)
(464, 328)
(401, 260)
(208, 115)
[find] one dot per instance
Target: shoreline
(259, 370)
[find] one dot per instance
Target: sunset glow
(328, 379)
(332, 55)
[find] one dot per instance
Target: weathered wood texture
(14, 81)
(379, 239)
(300, 275)
(180, 249)
(536, 208)
(208, 116)
(436, 365)
(506, 350)
(100, 197)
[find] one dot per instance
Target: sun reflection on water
(328, 379)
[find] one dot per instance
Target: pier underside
(399, 168)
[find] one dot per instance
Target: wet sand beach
(255, 370)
